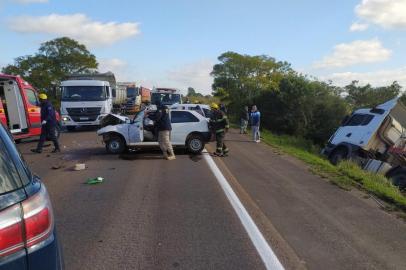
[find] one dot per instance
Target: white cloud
(30, 1)
(356, 52)
(111, 64)
(358, 27)
(385, 13)
(77, 26)
(196, 75)
(120, 68)
(375, 78)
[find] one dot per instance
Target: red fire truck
(19, 107)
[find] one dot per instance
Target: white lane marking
(264, 250)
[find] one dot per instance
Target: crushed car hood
(113, 119)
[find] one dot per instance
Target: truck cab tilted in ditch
(375, 138)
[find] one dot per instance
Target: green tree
(53, 61)
(191, 92)
(239, 79)
(302, 107)
(368, 96)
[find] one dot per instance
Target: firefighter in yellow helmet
(48, 125)
(219, 126)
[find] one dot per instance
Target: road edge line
(266, 253)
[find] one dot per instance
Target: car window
(183, 117)
(359, 120)
(207, 112)
(9, 178)
(32, 97)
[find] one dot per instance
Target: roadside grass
(346, 175)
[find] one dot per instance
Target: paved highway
(156, 214)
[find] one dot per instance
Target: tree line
(291, 103)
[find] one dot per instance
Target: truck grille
(84, 114)
(84, 111)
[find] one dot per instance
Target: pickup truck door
(34, 110)
(136, 129)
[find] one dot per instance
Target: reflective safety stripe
(219, 130)
(226, 150)
(227, 126)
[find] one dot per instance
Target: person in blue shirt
(255, 121)
(48, 125)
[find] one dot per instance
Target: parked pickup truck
(189, 130)
(375, 138)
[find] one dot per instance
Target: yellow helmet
(42, 96)
(214, 106)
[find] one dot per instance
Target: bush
(302, 108)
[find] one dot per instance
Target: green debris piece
(94, 181)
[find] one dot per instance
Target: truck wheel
(115, 145)
(338, 155)
(195, 144)
(70, 128)
(398, 178)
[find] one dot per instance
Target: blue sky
(175, 43)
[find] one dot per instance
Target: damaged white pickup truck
(120, 133)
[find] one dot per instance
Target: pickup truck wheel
(398, 178)
(70, 128)
(195, 144)
(115, 145)
(338, 155)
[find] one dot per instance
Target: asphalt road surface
(150, 213)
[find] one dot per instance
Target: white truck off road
(189, 130)
(375, 138)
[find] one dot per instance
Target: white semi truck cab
(375, 138)
(85, 102)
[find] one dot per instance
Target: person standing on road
(255, 121)
(48, 125)
(163, 124)
(219, 126)
(244, 120)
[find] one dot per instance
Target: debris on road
(56, 167)
(80, 167)
(94, 181)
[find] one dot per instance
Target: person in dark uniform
(163, 124)
(48, 125)
(219, 126)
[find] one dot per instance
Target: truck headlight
(65, 118)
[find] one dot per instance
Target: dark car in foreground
(28, 239)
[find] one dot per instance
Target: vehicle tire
(338, 155)
(17, 141)
(116, 145)
(398, 178)
(195, 144)
(70, 128)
